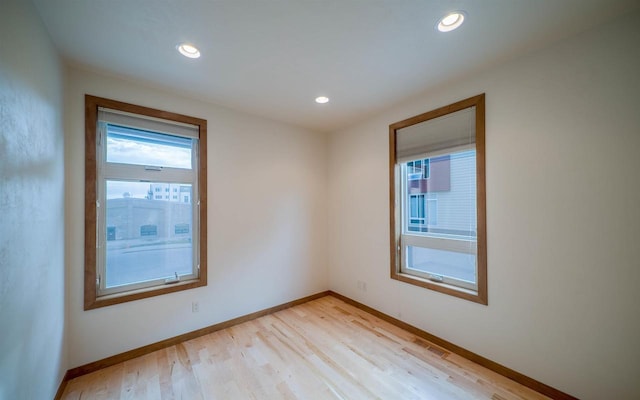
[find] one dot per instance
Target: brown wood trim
(143, 294)
(92, 103)
(90, 192)
(478, 359)
(63, 386)
(438, 112)
(148, 111)
(392, 203)
(481, 296)
(140, 351)
(481, 198)
(439, 287)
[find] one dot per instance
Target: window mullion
(139, 173)
(446, 244)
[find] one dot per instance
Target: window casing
(139, 243)
(437, 192)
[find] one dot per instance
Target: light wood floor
(323, 349)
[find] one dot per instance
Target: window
(132, 154)
(418, 169)
(438, 221)
(181, 228)
(111, 233)
(417, 221)
(145, 230)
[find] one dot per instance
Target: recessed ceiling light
(451, 21)
(322, 99)
(189, 50)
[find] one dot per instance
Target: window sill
(466, 294)
(117, 298)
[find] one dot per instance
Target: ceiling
(273, 57)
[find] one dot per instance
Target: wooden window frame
(480, 295)
(91, 298)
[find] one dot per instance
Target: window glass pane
(147, 238)
(446, 203)
(461, 266)
(139, 147)
(442, 207)
(413, 207)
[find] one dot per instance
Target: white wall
(32, 308)
(266, 224)
(563, 198)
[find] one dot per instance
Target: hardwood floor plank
(322, 349)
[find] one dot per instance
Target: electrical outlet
(195, 307)
(362, 286)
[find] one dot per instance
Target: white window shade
(152, 124)
(436, 136)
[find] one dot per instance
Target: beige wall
(32, 291)
(266, 225)
(563, 144)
